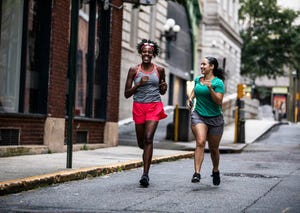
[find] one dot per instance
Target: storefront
(34, 73)
(279, 102)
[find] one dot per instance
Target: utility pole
(72, 77)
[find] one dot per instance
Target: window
(80, 86)
(88, 80)
(37, 43)
(10, 54)
(152, 24)
(134, 26)
(24, 55)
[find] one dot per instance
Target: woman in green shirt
(207, 118)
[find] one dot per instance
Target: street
(263, 178)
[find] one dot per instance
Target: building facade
(42, 59)
(178, 55)
(208, 28)
(35, 72)
(219, 37)
(138, 23)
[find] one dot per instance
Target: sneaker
(216, 178)
(196, 178)
(144, 180)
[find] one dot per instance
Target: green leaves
(270, 39)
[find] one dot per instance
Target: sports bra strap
(139, 67)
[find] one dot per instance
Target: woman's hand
(189, 104)
(207, 83)
(163, 86)
(190, 100)
(216, 97)
(144, 79)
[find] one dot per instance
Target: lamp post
(72, 78)
(170, 33)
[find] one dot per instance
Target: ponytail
(218, 72)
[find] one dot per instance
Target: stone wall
(229, 103)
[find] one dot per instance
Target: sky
(291, 4)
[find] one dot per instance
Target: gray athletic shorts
(215, 124)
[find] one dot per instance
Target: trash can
(184, 131)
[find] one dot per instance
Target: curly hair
(156, 48)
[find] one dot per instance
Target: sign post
(239, 133)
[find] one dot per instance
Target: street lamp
(170, 30)
(170, 33)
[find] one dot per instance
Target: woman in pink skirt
(146, 83)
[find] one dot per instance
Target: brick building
(35, 71)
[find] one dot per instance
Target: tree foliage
(270, 40)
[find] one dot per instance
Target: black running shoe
(144, 180)
(216, 178)
(196, 178)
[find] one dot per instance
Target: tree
(270, 40)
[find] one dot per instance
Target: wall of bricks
(31, 128)
(95, 130)
(115, 63)
(59, 58)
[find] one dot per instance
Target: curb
(269, 129)
(24, 184)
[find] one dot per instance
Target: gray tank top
(149, 92)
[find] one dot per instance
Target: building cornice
(219, 23)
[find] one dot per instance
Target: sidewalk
(26, 172)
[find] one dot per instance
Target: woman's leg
(200, 131)
(150, 128)
(213, 144)
(140, 132)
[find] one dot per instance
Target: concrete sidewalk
(253, 130)
(26, 172)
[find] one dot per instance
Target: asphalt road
(263, 178)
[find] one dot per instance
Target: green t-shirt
(205, 106)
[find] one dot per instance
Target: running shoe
(196, 178)
(216, 178)
(144, 180)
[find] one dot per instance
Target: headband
(147, 44)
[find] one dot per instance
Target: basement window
(9, 137)
(81, 137)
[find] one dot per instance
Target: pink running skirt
(142, 112)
